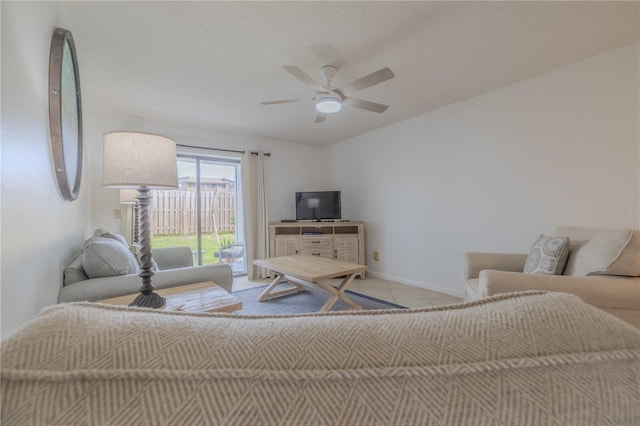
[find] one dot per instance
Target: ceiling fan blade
(320, 117)
(368, 80)
(367, 105)
(304, 77)
(286, 101)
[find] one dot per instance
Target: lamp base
(150, 300)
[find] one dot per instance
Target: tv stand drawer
(316, 245)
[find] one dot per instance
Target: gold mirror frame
(65, 113)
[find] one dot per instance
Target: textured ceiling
(210, 64)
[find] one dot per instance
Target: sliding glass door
(203, 213)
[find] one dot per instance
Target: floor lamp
(128, 196)
(142, 161)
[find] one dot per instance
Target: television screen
(318, 205)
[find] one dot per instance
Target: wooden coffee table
(198, 297)
(301, 270)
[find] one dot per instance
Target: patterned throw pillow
(548, 255)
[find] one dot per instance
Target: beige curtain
(256, 216)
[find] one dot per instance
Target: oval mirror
(65, 113)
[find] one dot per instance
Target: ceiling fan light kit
(330, 99)
(329, 104)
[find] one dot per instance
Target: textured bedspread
(514, 359)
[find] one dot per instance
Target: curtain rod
(266, 154)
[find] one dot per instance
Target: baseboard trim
(424, 285)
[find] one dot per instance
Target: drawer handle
(315, 254)
(315, 242)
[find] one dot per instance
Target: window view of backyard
(209, 245)
(201, 213)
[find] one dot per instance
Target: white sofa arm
(475, 262)
(603, 291)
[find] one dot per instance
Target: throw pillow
(548, 255)
(578, 236)
(105, 257)
(610, 252)
(106, 234)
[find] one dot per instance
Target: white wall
(291, 167)
(493, 172)
(39, 229)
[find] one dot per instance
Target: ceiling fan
(331, 99)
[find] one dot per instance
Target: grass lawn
(209, 244)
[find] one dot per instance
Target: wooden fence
(175, 212)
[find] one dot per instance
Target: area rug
(299, 303)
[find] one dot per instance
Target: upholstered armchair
(602, 267)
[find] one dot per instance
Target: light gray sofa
(603, 268)
(175, 267)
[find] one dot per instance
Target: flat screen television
(319, 205)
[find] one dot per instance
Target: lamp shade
(134, 159)
(128, 196)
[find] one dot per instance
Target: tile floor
(401, 294)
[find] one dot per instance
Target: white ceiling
(210, 64)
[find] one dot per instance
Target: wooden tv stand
(343, 241)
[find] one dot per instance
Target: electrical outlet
(376, 255)
(116, 213)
